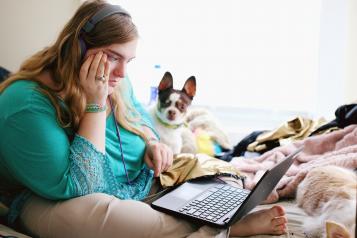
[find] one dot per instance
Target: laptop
(215, 203)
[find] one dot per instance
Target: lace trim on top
(86, 166)
(91, 172)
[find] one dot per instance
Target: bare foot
(268, 221)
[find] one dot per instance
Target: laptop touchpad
(180, 196)
(187, 191)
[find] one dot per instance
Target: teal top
(36, 152)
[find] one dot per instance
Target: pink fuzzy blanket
(336, 148)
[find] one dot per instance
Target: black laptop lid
(264, 187)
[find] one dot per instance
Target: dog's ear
(190, 87)
(336, 230)
(166, 82)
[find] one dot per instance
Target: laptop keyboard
(215, 202)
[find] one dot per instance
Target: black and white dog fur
(169, 112)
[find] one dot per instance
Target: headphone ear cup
(83, 47)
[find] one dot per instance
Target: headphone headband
(106, 11)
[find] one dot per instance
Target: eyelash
(112, 58)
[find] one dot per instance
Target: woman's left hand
(158, 157)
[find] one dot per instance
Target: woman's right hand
(94, 66)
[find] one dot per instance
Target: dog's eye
(167, 102)
(180, 106)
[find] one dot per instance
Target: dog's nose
(171, 114)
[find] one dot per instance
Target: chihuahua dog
(169, 112)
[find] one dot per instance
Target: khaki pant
(105, 216)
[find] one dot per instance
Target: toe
(281, 229)
(278, 211)
(279, 221)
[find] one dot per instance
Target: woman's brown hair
(63, 61)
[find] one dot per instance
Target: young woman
(78, 151)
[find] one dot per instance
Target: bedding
(336, 148)
(8, 232)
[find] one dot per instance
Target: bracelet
(93, 107)
(152, 139)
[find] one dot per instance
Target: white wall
(29, 25)
(351, 80)
(337, 82)
(250, 54)
(278, 55)
(332, 56)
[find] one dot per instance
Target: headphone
(106, 11)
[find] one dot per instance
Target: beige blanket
(336, 148)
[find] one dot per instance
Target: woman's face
(118, 56)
